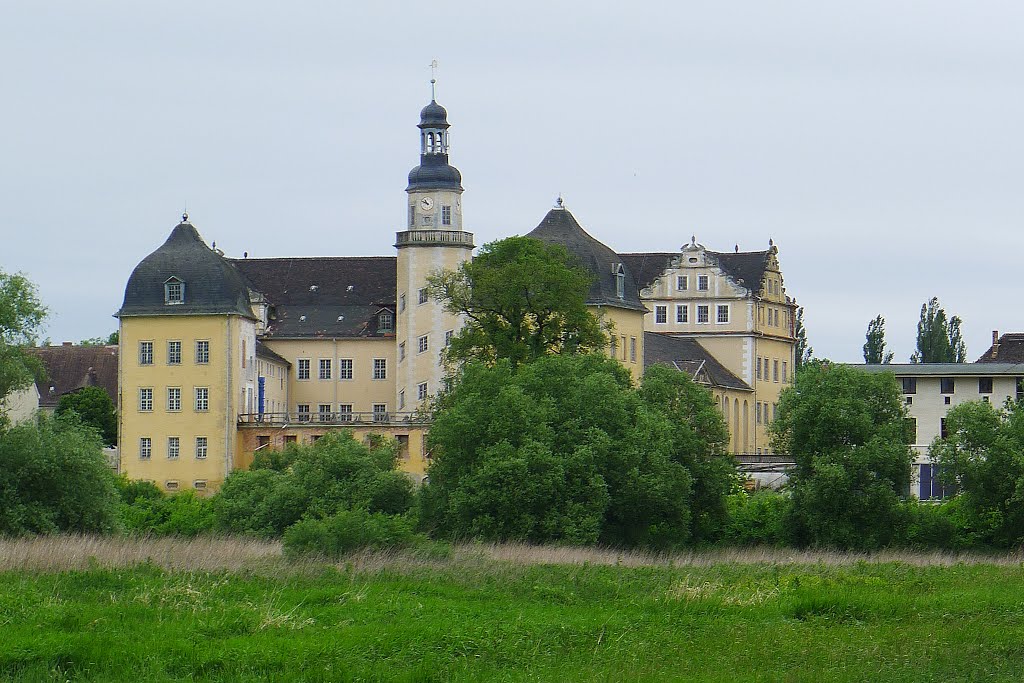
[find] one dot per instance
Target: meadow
(122, 609)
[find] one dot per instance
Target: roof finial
(693, 240)
(184, 214)
(559, 203)
(771, 242)
(433, 79)
(737, 248)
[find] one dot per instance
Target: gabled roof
(323, 296)
(687, 355)
(1008, 348)
(265, 352)
(211, 285)
(70, 368)
(745, 267)
(560, 227)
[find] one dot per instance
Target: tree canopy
(938, 337)
(874, 344)
(21, 315)
(804, 352)
(564, 449)
(845, 430)
(94, 407)
(521, 299)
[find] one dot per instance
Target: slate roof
(70, 368)
(560, 227)
(323, 296)
(211, 285)
(745, 267)
(434, 171)
(1009, 348)
(687, 355)
(265, 352)
(945, 369)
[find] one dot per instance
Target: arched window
(620, 282)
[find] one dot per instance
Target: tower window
(174, 291)
(620, 282)
(446, 215)
(412, 216)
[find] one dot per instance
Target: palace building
(221, 357)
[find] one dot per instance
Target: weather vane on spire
(433, 78)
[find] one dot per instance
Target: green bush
(350, 530)
(757, 519)
(183, 514)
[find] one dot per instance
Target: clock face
(426, 203)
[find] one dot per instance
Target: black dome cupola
(434, 172)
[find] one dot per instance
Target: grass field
(227, 610)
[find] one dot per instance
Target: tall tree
(522, 299)
(804, 352)
(938, 337)
(21, 314)
(96, 410)
(874, 344)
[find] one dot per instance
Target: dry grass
(236, 554)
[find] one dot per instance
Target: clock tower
(434, 240)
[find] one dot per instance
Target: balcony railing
(455, 238)
(335, 419)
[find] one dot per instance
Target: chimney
(995, 344)
(68, 344)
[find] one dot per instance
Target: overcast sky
(878, 143)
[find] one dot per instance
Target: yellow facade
(626, 337)
(183, 383)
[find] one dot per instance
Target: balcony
(283, 420)
(443, 238)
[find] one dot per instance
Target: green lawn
(475, 619)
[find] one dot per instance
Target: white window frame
(202, 403)
(660, 314)
(302, 370)
(326, 369)
(345, 369)
(422, 296)
(421, 391)
(202, 351)
(179, 295)
(323, 412)
(706, 310)
(719, 308)
(446, 214)
(380, 412)
(682, 283)
(145, 448)
(145, 353)
(344, 412)
(145, 399)
(423, 344)
(174, 399)
(173, 447)
(682, 313)
(202, 447)
(174, 352)
(380, 368)
(302, 413)
(703, 283)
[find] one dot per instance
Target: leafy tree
(335, 473)
(21, 315)
(183, 514)
(54, 477)
(804, 352)
(938, 338)
(874, 344)
(563, 449)
(983, 455)
(96, 410)
(521, 299)
(110, 340)
(845, 430)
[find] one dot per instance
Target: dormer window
(174, 291)
(385, 322)
(620, 282)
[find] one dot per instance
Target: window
(620, 282)
(661, 314)
(412, 216)
(401, 304)
(173, 447)
(909, 400)
(422, 296)
(722, 313)
(775, 370)
(446, 215)
(325, 368)
(682, 313)
(174, 291)
(380, 412)
(775, 411)
(1020, 388)
(623, 347)
(909, 385)
(385, 322)
(613, 347)
(702, 283)
(757, 411)
(682, 283)
(290, 439)
(765, 369)
(942, 428)
(344, 412)
(632, 349)
(303, 372)
(262, 441)
(344, 368)
(910, 429)
(146, 353)
(323, 412)
(202, 352)
(421, 391)
(145, 448)
(146, 399)
(448, 337)
(401, 352)
(932, 487)
(422, 344)
(201, 445)
(302, 410)
(776, 317)
(759, 367)
(171, 484)
(199, 484)
(202, 399)
(947, 385)
(174, 399)
(984, 385)
(401, 399)
(380, 368)
(702, 314)
(785, 375)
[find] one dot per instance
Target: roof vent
(302, 318)
(350, 288)
(340, 318)
(313, 288)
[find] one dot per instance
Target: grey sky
(878, 142)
